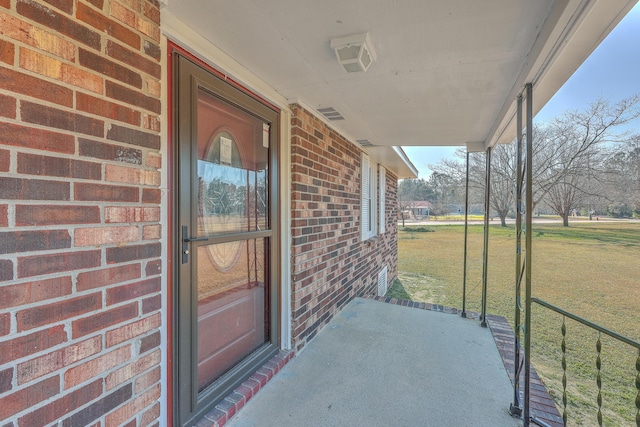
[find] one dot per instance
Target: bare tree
(566, 160)
(446, 189)
(503, 180)
(405, 205)
(503, 177)
(621, 178)
(565, 195)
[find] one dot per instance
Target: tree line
(584, 162)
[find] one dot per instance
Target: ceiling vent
(364, 142)
(330, 113)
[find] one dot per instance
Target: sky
(611, 72)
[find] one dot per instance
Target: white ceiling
(447, 72)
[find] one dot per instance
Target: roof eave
(573, 30)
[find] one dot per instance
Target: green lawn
(590, 269)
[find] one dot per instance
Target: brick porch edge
(230, 405)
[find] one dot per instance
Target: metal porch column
(466, 230)
(485, 251)
(527, 256)
(516, 408)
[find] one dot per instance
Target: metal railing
(520, 408)
(598, 362)
(524, 200)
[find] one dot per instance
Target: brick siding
(80, 239)
(331, 265)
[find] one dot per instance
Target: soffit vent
(330, 113)
(364, 142)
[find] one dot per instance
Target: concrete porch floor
(378, 364)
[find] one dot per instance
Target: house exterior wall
(81, 206)
(80, 234)
(330, 263)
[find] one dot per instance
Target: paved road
(445, 221)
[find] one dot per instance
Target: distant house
(420, 209)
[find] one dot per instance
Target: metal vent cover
(382, 282)
(364, 142)
(330, 113)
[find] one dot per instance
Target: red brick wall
(79, 212)
(331, 265)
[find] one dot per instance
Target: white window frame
(368, 191)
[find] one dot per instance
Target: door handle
(196, 239)
(185, 243)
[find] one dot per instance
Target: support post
(516, 409)
(528, 246)
(466, 232)
(485, 251)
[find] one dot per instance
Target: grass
(590, 269)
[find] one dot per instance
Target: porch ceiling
(447, 72)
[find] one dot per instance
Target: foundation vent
(330, 113)
(382, 282)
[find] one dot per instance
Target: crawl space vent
(382, 282)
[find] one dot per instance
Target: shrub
(418, 230)
(619, 210)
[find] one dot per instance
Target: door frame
(280, 277)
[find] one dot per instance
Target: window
(368, 189)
